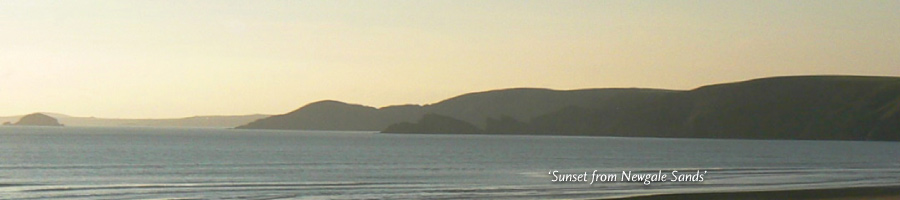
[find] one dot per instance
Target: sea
(211, 163)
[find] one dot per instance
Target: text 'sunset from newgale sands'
(627, 176)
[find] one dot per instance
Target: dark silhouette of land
(334, 115)
(799, 107)
(36, 119)
(521, 103)
(434, 123)
(197, 121)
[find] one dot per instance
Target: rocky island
(36, 119)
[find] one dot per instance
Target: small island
(36, 119)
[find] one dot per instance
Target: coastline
(852, 193)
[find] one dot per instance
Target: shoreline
(852, 193)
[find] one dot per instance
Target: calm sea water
(159, 163)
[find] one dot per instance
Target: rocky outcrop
(37, 119)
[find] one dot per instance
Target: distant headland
(217, 121)
(794, 107)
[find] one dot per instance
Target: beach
(870, 193)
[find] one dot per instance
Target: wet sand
(875, 193)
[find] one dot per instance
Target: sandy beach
(870, 193)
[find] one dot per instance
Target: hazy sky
(153, 59)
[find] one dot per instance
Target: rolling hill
(796, 107)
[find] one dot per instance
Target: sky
(162, 59)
